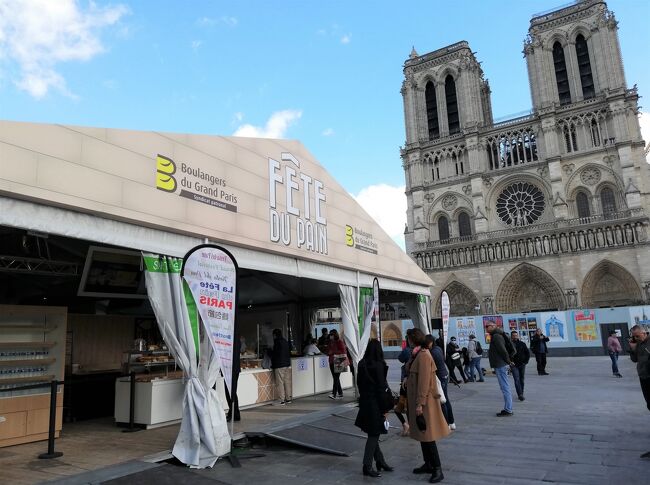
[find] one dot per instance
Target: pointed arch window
(464, 225)
(582, 203)
(608, 201)
(436, 168)
(432, 110)
(595, 133)
(584, 67)
(443, 228)
(452, 105)
(561, 75)
(570, 138)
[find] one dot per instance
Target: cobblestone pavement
(577, 425)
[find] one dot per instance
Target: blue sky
(325, 72)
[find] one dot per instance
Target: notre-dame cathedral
(547, 211)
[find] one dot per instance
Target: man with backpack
(500, 354)
(520, 360)
(475, 353)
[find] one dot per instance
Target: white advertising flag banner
(211, 274)
(444, 300)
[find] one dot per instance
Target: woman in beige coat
(424, 400)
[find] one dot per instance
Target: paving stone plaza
(577, 425)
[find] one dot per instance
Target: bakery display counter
(158, 400)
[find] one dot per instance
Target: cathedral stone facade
(547, 211)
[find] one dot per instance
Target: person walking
(404, 356)
(336, 347)
(473, 348)
(540, 349)
(454, 361)
(640, 353)
(425, 413)
(614, 348)
(443, 376)
(323, 341)
(372, 371)
(500, 360)
(520, 360)
(281, 365)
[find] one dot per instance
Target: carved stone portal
(529, 288)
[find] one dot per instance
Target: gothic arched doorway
(609, 284)
(462, 300)
(528, 288)
(391, 336)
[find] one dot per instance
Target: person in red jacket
(336, 347)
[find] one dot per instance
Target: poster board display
(554, 326)
(585, 326)
(491, 319)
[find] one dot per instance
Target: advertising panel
(211, 274)
(554, 326)
(585, 325)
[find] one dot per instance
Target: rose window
(520, 204)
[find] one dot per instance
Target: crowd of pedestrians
(428, 366)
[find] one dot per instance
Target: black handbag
(421, 422)
(390, 399)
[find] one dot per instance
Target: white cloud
(275, 127)
(644, 121)
(39, 34)
(345, 39)
(328, 132)
(212, 21)
(387, 205)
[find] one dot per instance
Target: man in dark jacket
(520, 360)
(640, 353)
(539, 348)
(500, 361)
(443, 376)
(281, 365)
(233, 400)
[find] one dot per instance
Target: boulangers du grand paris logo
(360, 239)
(193, 183)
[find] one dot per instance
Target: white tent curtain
(209, 371)
(196, 444)
(349, 318)
(313, 319)
(418, 309)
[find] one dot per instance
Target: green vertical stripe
(363, 294)
(194, 316)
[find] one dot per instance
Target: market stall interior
(108, 329)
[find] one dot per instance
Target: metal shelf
(30, 328)
(19, 380)
(21, 362)
(26, 345)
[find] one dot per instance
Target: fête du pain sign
(296, 206)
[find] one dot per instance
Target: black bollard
(132, 428)
(50, 439)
